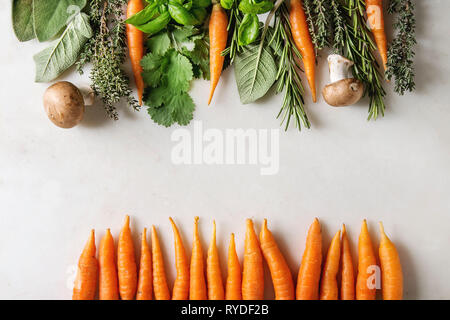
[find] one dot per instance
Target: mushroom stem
(339, 67)
(88, 95)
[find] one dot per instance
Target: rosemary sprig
(288, 76)
(401, 52)
(359, 47)
(233, 25)
(106, 50)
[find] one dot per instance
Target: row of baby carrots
(118, 276)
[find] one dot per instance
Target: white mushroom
(343, 89)
(64, 104)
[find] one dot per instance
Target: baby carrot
(126, 263)
(303, 42)
(218, 33)
(145, 282)
(159, 274)
(391, 269)
(347, 271)
(86, 280)
(234, 277)
(181, 285)
(135, 39)
(213, 272)
(197, 288)
(366, 261)
(253, 270)
(374, 10)
(328, 286)
(309, 273)
(279, 270)
(108, 287)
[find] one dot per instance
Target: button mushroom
(343, 89)
(64, 104)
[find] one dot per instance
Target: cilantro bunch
(176, 56)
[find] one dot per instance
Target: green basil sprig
(157, 24)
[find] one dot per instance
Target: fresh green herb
(158, 14)
(106, 50)
(22, 15)
(235, 19)
(50, 16)
(53, 61)
(338, 24)
(288, 73)
(323, 23)
(308, 6)
(176, 56)
(255, 7)
(255, 72)
(359, 47)
(248, 31)
(401, 52)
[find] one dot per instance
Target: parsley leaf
(183, 108)
(159, 44)
(179, 72)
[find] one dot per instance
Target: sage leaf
(255, 72)
(53, 61)
(22, 14)
(50, 16)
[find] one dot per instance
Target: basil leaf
(143, 16)
(53, 61)
(254, 7)
(22, 14)
(248, 30)
(50, 16)
(255, 72)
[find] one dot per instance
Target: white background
(55, 184)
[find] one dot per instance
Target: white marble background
(55, 185)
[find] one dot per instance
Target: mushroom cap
(64, 104)
(344, 92)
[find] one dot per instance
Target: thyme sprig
(323, 24)
(106, 50)
(400, 63)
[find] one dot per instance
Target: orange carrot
(365, 290)
(253, 270)
(197, 287)
(309, 273)
(108, 287)
(145, 283)
(391, 269)
(136, 46)
(213, 271)
(303, 42)
(374, 10)
(234, 277)
(126, 263)
(160, 286)
(85, 283)
(328, 286)
(279, 270)
(347, 271)
(181, 285)
(218, 33)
